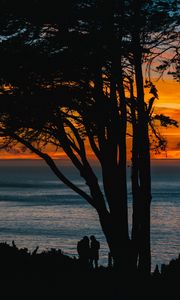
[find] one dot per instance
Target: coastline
(53, 275)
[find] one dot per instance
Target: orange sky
(168, 103)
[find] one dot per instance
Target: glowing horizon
(168, 104)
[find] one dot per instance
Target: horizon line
(66, 158)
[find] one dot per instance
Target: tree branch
(54, 168)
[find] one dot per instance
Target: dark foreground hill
(53, 275)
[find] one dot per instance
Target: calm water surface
(37, 209)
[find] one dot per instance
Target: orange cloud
(171, 154)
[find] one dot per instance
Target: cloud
(172, 112)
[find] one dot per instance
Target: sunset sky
(168, 104)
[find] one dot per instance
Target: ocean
(36, 209)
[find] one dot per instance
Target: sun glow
(168, 104)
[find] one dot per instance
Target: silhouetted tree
(65, 85)
(150, 20)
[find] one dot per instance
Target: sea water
(36, 209)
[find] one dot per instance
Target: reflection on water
(36, 209)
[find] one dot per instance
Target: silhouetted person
(14, 245)
(83, 250)
(94, 251)
(156, 272)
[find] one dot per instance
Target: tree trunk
(144, 165)
(119, 248)
(143, 143)
(135, 181)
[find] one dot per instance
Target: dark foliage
(18, 261)
(53, 275)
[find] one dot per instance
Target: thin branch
(82, 152)
(93, 145)
(54, 168)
